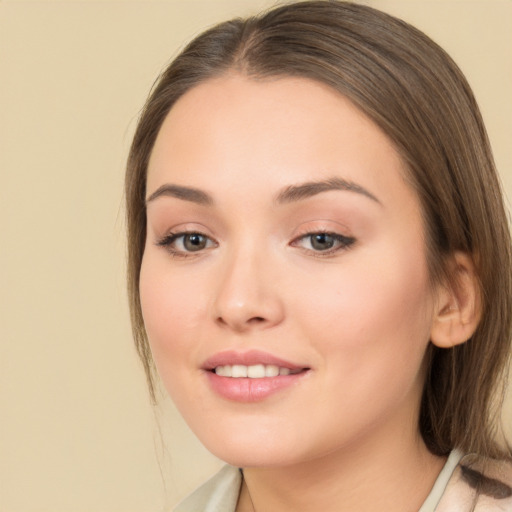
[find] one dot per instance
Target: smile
(251, 376)
(256, 371)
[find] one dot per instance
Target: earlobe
(459, 306)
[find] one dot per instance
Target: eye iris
(322, 241)
(194, 242)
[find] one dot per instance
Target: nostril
(242, 324)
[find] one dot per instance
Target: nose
(248, 296)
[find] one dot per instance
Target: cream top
(453, 491)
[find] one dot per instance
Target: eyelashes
(318, 243)
(187, 243)
(323, 243)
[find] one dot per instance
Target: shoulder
(478, 484)
(218, 494)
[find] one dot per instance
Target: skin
(345, 436)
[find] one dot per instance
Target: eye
(185, 243)
(323, 242)
(194, 242)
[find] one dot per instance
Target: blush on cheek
(173, 316)
(163, 298)
(380, 311)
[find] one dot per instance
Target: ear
(459, 305)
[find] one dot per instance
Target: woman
(319, 265)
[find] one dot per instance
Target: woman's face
(284, 248)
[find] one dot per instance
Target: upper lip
(249, 358)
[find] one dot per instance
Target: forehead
(235, 133)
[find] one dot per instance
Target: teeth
(257, 371)
(238, 370)
(271, 370)
(223, 371)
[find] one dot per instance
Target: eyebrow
(309, 189)
(288, 195)
(194, 195)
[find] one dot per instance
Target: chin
(251, 458)
(249, 449)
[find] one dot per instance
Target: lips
(250, 358)
(251, 376)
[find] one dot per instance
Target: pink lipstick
(250, 376)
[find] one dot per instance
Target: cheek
(173, 311)
(371, 319)
(370, 325)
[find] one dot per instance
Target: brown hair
(417, 95)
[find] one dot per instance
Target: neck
(393, 474)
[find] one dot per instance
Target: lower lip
(245, 389)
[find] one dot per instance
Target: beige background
(76, 431)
